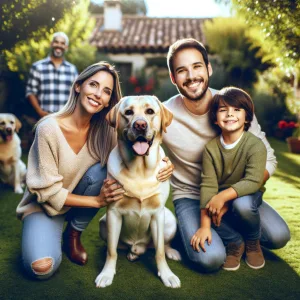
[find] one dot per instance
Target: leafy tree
(229, 39)
(131, 7)
(76, 23)
(279, 35)
(20, 19)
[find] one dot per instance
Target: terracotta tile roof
(143, 34)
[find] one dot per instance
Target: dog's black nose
(8, 130)
(140, 125)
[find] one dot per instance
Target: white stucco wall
(138, 61)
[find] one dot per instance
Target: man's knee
(279, 238)
(243, 207)
(42, 268)
(209, 261)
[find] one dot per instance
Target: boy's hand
(215, 205)
(217, 218)
(199, 238)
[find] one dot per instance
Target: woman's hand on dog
(111, 191)
(166, 172)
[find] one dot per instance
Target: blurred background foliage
(274, 30)
(21, 19)
(257, 49)
(76, 23)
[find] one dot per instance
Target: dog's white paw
(18, 190)
(172, 253)
(104, 279)
(169, 279)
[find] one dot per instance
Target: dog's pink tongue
(140, 147)
(9, 138)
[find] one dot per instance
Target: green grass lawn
(279, 279)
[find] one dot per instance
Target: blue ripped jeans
(42, 235)
(252, 218)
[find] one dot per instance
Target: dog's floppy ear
(166, 115)
(18, 124)
(113, 116)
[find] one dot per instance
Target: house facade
(134, 42)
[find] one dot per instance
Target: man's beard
(56, 55)
(191, 96)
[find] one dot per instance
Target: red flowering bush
(287, 129)
(140, 84)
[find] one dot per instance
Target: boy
(232, 180)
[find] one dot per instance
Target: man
(185, 139)
(50, 79)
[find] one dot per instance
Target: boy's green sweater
(241, 168)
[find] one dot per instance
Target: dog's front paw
(18, 190)
(104, 279)
(169, 279)
(172, 253)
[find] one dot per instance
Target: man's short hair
(185, 44)
(62, 34)
(235, 97)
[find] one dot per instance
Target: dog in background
(140, 219)
(12, 169)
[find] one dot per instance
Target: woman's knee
(42, 268)
(96, 174)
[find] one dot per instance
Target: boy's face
(190, 73)
(230, 119)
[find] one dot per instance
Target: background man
(50, 79)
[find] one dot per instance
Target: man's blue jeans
(274, 232)
(42, 235)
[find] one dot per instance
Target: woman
(64, 172)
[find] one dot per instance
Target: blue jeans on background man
(253, 217)
(42, 235)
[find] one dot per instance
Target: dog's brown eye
(2, 123)
(150, 111)
(12, 122)
(129, 112)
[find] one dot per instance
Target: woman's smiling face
(96, 91)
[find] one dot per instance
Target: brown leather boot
(254, 255)
(234, 253)
(73, 247)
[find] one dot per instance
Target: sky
(184, 8)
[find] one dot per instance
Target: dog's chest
(131, 206)
(8, 153)
(6, 168)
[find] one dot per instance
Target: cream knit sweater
(54, 170)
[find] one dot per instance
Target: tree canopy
(241, 61)
(278, 23)
(20, 19)
(76, 23)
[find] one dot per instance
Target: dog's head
(139, 120)
(9, 124)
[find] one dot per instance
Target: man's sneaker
(234, 253)
(254, 256)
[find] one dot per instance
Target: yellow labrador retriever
(141, 216)
(12, 169)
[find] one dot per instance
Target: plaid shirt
(50, 85)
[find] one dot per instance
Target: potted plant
(294, 140)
